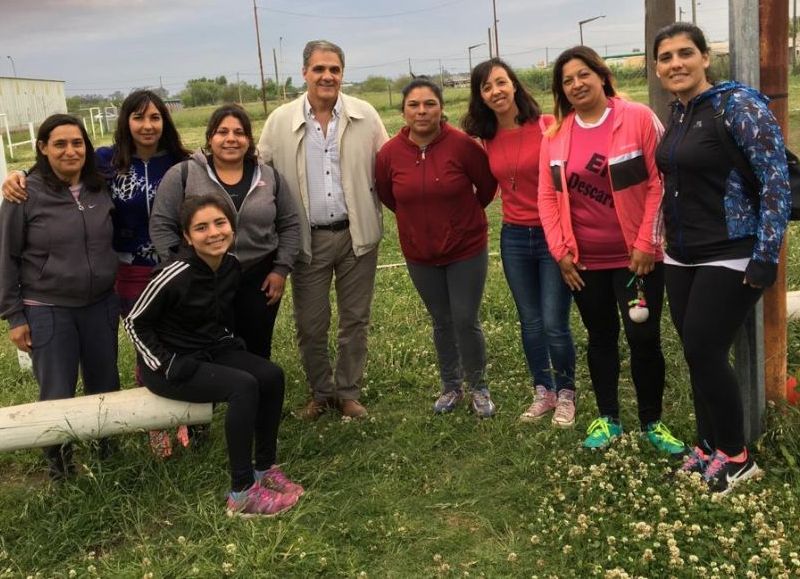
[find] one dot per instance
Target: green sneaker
(659, 436)
(601, 432)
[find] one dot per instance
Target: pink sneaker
(564, 416)
(544, 401)
(276, 479)
(259, 501)
(160, 443)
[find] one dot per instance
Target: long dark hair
(124, 146)
(480, 120)
(237, 112)
(90, 178)
(594, 61)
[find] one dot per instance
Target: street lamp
(13, 66)
(469, 53)
(582, 22)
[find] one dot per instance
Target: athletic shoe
(659, 436)
(276, 479)
(695, 461)
(482, 404)
(259, 501)
(601, 432)
(160, 443)
(448, 401)
(722, 474)
(564, 416)
(544, 401)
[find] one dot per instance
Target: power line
(327, 16)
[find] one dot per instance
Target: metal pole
(441, 74)
(694, 11)
(580, 29)
(491, 52)
(239, 86)
(260, 60)
(13, 66)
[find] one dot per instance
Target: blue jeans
(543, 302)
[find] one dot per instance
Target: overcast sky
(101, 46)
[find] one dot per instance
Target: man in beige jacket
(324, 144)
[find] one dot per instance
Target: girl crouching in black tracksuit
(181, 329)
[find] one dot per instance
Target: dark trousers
(67, 339)
(255, 320)
(708, 305)
(253, 388)
(600, 303)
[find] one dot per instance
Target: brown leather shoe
(352, 409)
(312, 410)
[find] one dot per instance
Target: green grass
(405, 493)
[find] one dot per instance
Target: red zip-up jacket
(438, 194)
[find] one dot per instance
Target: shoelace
(718, 460)
(664, 433)
(692, 459)
(599, 426)
(451, 396)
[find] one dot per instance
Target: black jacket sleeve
(160, 295)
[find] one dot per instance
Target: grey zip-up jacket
(267, 220)
(55, 250)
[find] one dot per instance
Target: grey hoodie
(266, 222)
(55, 250)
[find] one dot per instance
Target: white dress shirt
(323, 169)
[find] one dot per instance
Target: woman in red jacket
(599, 200)
(437, 181)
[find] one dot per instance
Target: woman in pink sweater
(437, 181)
(599, 201)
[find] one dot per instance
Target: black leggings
(708, 305)
(254, 319)
(253, 388)
(605, 295)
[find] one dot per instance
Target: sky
(103, 46)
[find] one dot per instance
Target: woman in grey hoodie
(57, 269)
(267, 223)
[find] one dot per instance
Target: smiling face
(146, 127)
(498, 91)
(323, 76)
(582, 86)
(422, 112)
(229, 142)
(65, 150)
(682, 67)
(210, 234)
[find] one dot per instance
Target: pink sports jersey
(594, 219)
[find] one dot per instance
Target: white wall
(26, 99)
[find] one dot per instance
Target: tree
(375, 84)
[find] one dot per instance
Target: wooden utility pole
(774, 69)
(658, 13)
(758, 34)
(260, 60)
(496, 41)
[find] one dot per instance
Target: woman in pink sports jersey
(599, 202)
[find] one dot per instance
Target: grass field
(405, 493)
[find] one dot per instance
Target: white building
(25, 100)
